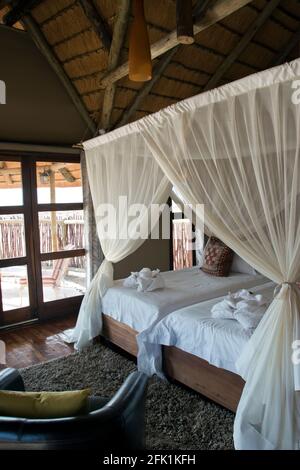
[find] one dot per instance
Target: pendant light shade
(140, 65)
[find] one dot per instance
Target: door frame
(38, 309)
(21, 314)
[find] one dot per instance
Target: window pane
(12, 236)
(63, 278)
(182, 244)
(11, 193)
(176, 208)
(14, 287)
(61, 230)
(58, 182)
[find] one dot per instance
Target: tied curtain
(236, 150)
(124, 182)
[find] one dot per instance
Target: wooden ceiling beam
(242, 44)
(145, 90)
(120, 28)
(9, 171)
(34, 30)
(4, 3)
(200, 8)
(198, 11)
(98, 22)
(19, 9)
(4, 170)
(292, 43)
(218, 11)
(67, 175)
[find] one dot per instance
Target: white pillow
(241, 266)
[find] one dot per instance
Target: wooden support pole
(99, 24)
(242, 44)
(219, 10)
(9, 179)
(120, 28)
(184, 21)
(21, 8)
(145, 90)
(40, 41)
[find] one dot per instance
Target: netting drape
(94, 256)
(124, 181)
(236, 149)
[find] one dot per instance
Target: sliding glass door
(18, 300)
(42, 255)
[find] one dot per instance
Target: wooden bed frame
(219, 385)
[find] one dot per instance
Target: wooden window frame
(30, 209)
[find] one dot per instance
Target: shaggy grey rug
(176, 417)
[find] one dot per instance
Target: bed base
(217, 384)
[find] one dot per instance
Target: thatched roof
(76, 43)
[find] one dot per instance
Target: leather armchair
(117, 424)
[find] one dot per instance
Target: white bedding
(194, 330)
(140, 310)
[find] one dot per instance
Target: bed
(126, 313)
(194, 330)
(140, 310)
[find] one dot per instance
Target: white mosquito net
(236, 150)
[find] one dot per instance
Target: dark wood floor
(36, 343)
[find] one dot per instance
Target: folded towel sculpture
(242, 306)
(145, 280)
